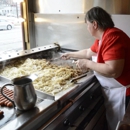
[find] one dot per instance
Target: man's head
(100, 16)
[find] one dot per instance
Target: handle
(6, 95)
(81, 76)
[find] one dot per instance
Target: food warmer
(78, 107)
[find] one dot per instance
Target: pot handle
(6, 95)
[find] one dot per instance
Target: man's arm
(111, 68)
(82, 54)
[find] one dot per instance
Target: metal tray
(44, 100)
(57, 96)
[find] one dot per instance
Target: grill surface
(47, 106)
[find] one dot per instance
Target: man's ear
(95, 24)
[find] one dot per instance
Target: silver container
(24, 92)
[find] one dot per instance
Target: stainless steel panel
(68, 30)
(10, 55)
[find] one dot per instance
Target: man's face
(91, 27)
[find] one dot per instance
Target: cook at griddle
(108, 57)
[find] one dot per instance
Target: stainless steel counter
(67, 104)
(44, 110)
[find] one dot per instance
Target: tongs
(78, 77)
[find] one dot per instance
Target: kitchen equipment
(78, 77)
(59, 61)
(80, 105)
(24, 93)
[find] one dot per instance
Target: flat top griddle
(43, 98)
(46, 103)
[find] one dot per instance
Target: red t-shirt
(115, 45)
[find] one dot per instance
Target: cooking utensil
(62, 62)
(78, 77)
(24, 92)
(56, 59)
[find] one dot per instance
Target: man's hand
(82, 64)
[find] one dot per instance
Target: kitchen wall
(62, 22)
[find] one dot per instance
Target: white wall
(122, 22)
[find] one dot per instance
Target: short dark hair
(99, 15)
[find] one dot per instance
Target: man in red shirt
(115, 45)
(110, 62)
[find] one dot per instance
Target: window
(10, 27)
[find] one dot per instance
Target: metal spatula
(78, 77)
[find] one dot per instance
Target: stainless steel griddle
(49, 109)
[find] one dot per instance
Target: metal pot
(24, 92)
